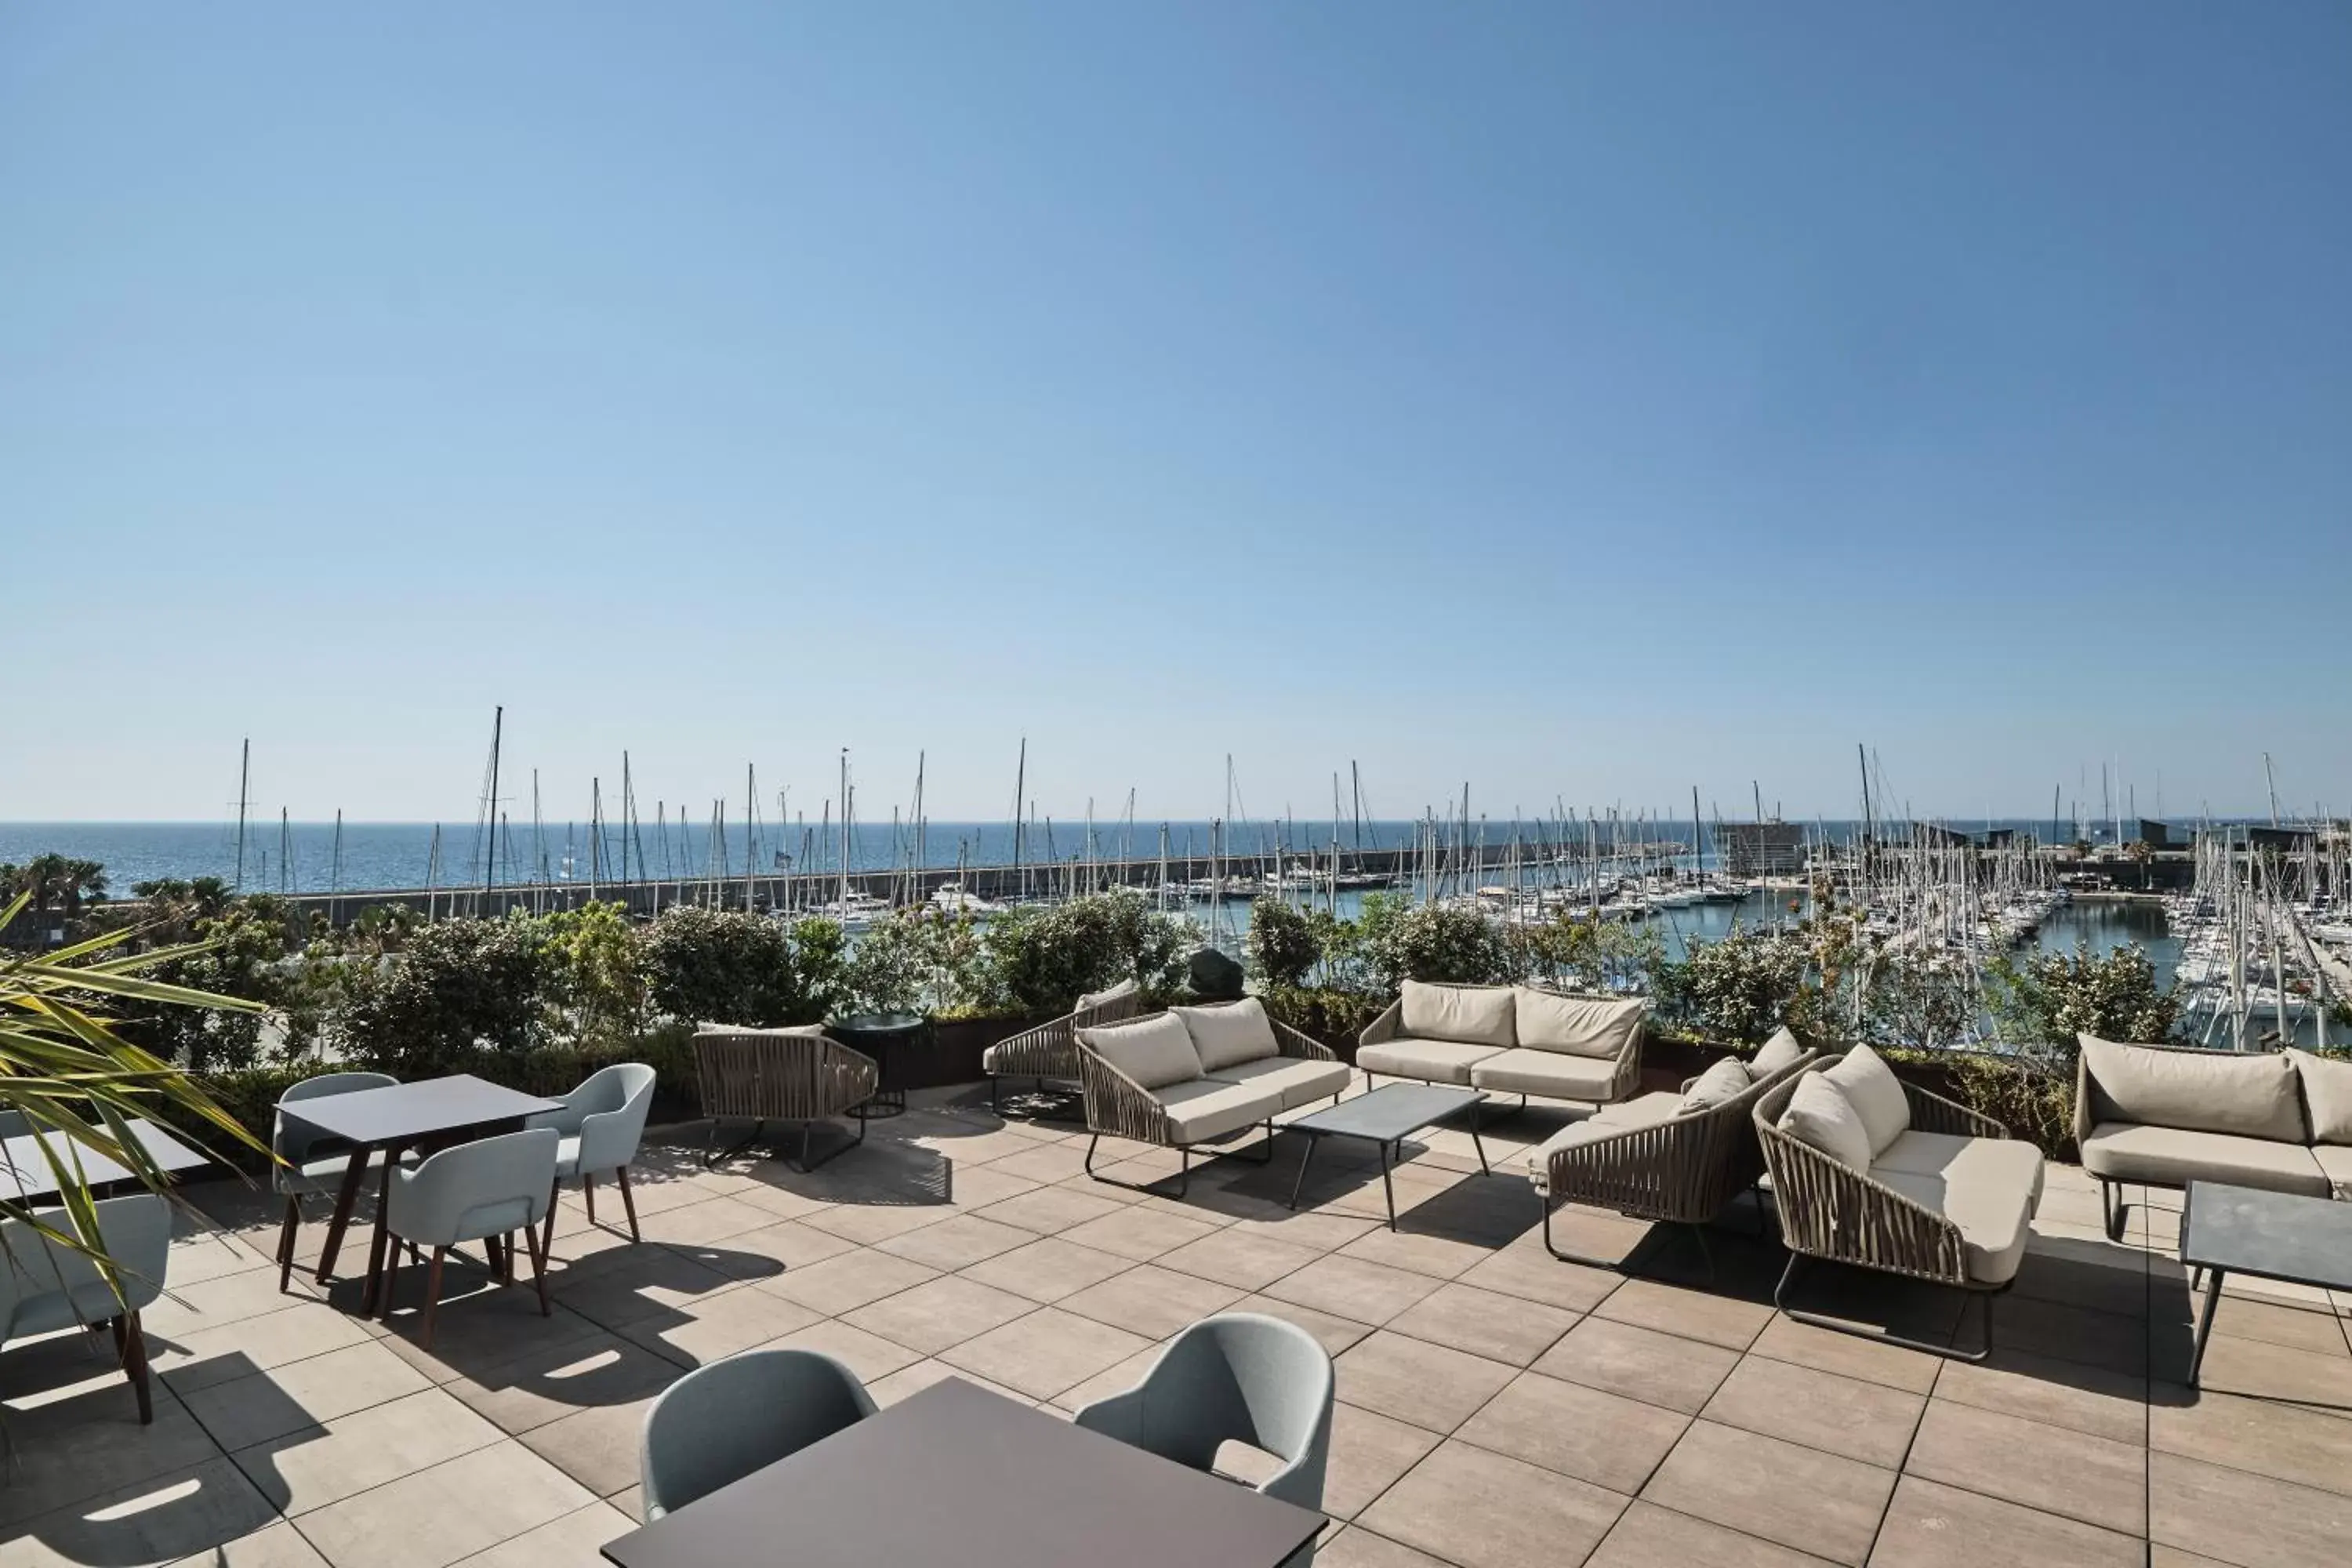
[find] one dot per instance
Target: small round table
(875, 1033)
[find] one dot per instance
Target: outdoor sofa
(1200, 1075)
(1873, 1170)
(795, 1074)
(2165, 1116)
(1672, 1157)
(1509, 1039)
(1049, 1053)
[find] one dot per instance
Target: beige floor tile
(2095, 1479)
(780, 1201)
(1797, 1497)
(314, 1465)
(1048, 1269)
(1051, 1211)
(2096, 1400)
(870, 1356)
(939, 1312)
(1369, 1453)
(772, 1250)
(1826, 1349)
(1640, 1363)
(2264, 1436)
(1865, 1420)
(1603, 1439)
(1150, 1301)
(968, 1147)
(560, 1542)
(1648, 1536)
(1353, 1288)
(977, 1188)
(2263, 1371)
(1244, 1259)
(1489, 1510)
(1933, 1526)
(597, 1446)
(719, 1327)
(1045, 1353)
(447, 1513)
(248, 1410)
(194, 1307)
(957, 1243)
(922, 1374)
(1440, 1257)
(646, 1282)
(2256, 1521)
(1138, 1233)
(2068, 1332)
(91, 1445)
(1500, 1328)
(1701, 1315)
(159, 1519)
(1309, 1228)
(846, 1282)
(520, 1396)
(1335, 1335)
(1043, 1162)
(1534, 1275)
(279, 1545)
(1354, 1548)
(2302, 1327)
(1413, 1381)
(710, 1220)
(867, 1223)
(300, 1330)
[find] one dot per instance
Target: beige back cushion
(2253, 1095)
(1474, 1014)
(1877, 1095)
(1155, 1051)
(1725, 1080)
(1577, 1026)
(1229, 1035)
(1094, 999)
(1820, 1114)
(1782, 1050)
(792, 1031)
(2328, 1093)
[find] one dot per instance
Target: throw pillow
(1782, 1050)
(1820, 1116)
(1155, 1051)
(1877, 1095)
(1231, 1034)
(2327, 1091)
(1595, 1026)
(1472, 1015)
(1727, 1080)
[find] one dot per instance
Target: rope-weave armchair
(1680, 1171)
(1118, 1106)
(1050, 1051)
(1830, 1211)
(780, 1075)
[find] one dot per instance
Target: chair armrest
(1116, 1104)
(2083, 1124)
(1039, 1052)
(1384, 1028)
(1305, 1048)
(1934, 1113)
(1628, 1075)
(1827, 1211)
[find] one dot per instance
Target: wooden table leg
(347, 1197)
(382, 1233)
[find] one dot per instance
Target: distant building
(1761, 848)
(2155, 835)
(2281, 840)
(1936, 835)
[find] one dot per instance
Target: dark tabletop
(24, 1173)
(876, 1024)
(957, 1476)
(416, 1110)
(1389, 1111)
(2279, 1236)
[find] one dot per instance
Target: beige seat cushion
(1921, 1154)
(1474, 1014)
(1626, 1116)
(1298, 1082)
(2327, 1095)
(1577, 1026)
(2171, 1157)
(1988, 1188)
(1229, 1033)
(1432, 1062)
(1154, 1051)
(1877, 1095)
(1821, 1116)
(1555, 1075)
(1205, 1108)
(2334, 1161)
(1782, 1050)
(2252, 1095)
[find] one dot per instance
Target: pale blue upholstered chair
(601, 1122)
(491, 1187)
(719, 1422)
(300, 1175)
(44, 1287)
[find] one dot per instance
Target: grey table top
(956, 1474)
(1389, 1111)
(2279, 1236)
(25, 1172)
(404, 1110)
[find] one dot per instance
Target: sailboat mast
(491, 856)
(244, 777)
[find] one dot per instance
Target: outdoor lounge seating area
(1490, 1404)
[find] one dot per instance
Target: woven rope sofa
(2165, 1116)
(1049, 1053)
(1668, 1157)
(1192, 1076)
(1509, 1039)
(796, 1074)
(1872, 1170)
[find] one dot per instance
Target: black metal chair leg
(2112, 1209)
(1948, 1353)
(1150, 1189)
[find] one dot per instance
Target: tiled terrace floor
(1498, 1407)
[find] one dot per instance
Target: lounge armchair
(1509, 1039)
(1197, 1075)
(1049, 1053)
(1877, 1172)
(2165, 1116)
(1667, 1157)
(795, 1074)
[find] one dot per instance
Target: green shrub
(731, 967)
(1041, 958)
(459, 989)
(2044, 1001)
(1283, 947)
(1740, 988)
(1441, 944)
(596, 971)
(1336, 1016)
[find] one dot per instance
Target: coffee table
(881, 1035)
(2272, 1236)
(956, 1477)
(1385, 1116)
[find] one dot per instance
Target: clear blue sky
(1583, 401)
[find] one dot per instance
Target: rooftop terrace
(1498, 1406)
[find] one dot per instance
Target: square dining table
(956, 1477)
(26, 1176)
(434, 1113)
